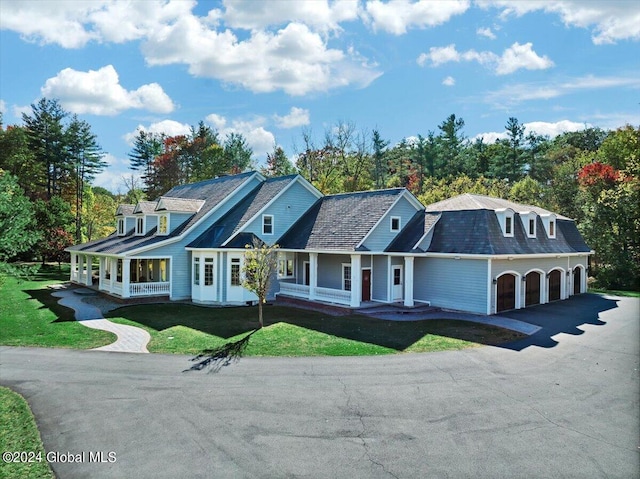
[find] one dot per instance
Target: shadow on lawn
(47, 301)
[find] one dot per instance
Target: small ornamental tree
(260, 262)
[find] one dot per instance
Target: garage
(532, 291)
(577, 280)
(555, 278)
(506, 294)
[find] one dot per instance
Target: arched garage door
(532, 292)
(554, 285)
(577, 280)
(506, 295)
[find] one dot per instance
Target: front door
(506, 294)
(532, 293)
(366, 285)
(554, 285)
(396, 278)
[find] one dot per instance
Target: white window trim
(546, 221)
(272, 224)
(122, 227)
(502, 216)
(391, 229)
(286, 257)
(344, 279)
(196, 271)
(144, 224)
(159, 220)
(527, 218)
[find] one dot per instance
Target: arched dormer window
(505, 218)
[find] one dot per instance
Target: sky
(273, 69)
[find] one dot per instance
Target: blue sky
(271, 69)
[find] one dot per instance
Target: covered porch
(122, 276)
(351, 280)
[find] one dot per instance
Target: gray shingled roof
(125, 210)
(470, 201)
(213, 192)
(145, 207)
(182, 205)
(339, 222)
(227, 226)
(413, 232)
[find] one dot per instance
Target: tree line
(589, 175)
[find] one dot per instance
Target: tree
(17, 159)
(278, 164)
(260, 262)
(237, 153)
(51, 215)
(98, 214)
(450, 139)
(46, 137)
(146, 147)
(379, 160)
(17, 220)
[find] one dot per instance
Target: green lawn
(19, 433)
(30, 316)
(185, 328)
(628, 294)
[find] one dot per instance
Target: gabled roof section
(412, 235)
(469, 201)
(125, 210)
(145, 207)
(339, 222)
(223, 231)
(179, 205)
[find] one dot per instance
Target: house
(472, 253)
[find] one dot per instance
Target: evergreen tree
(380, 167)
(237, 153)
(278, 164)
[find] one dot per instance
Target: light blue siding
(330, 270)
(176, 219)
(380, 278)
(381, 236)
(151, 221)
(181, 258)
(286, 210)
(450, 283)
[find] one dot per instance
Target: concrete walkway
(130, 339)
(392, 313)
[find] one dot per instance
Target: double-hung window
(267, 224)
(346, 277)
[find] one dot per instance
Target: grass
(30, 316)
(20, 433)
(616, 292)
(189, 329)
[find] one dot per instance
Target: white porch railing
(321, 294)
(333, 295)
(148, 289)
(297, 290)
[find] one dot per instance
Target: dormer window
(505, 219)
(529, 220)
(267, 224)
(549, 222)
(395, 224)
(532, 227)
(140, 226)
(163, 225)
(121, 230)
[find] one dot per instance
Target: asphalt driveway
(563, 403)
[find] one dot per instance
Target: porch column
(356, 283)
(126, 273)
(81, 265)
(100, 272)
(89, 279)
(114, 273)
(313, 275)
(408, 281)
(74, 264)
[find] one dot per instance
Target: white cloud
(513, 58)
(293, 59)
(72, 24)
(609, 21)
(398, 16)
(99, 92)
(296, 117)
(111, 177)
(318, 14)
(486, 32)
(449, 81)
(540, 127)
(521, 56)
(164, 127)
(260, 140)
(520, 92)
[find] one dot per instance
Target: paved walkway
(130, 339)
(392, 313)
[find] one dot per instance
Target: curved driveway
(561, 404)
